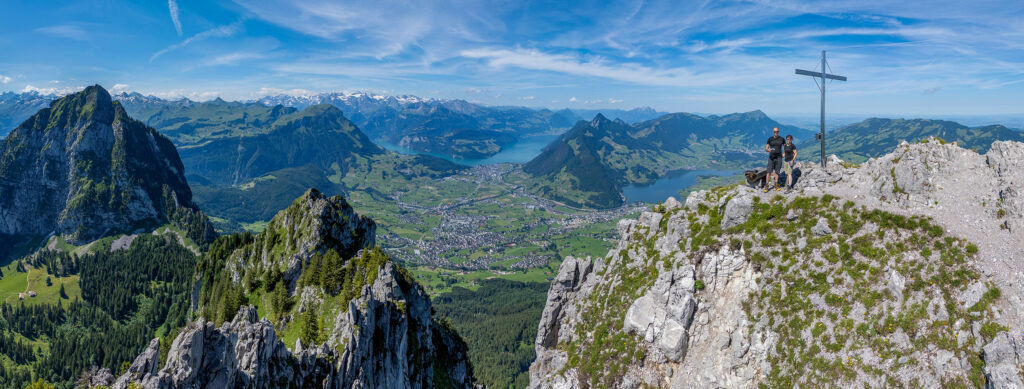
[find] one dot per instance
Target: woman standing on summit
(790, 160)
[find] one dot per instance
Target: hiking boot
(778, 188)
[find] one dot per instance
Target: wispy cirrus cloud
(532, 59)
(218, 32)
(4, 79)
(172, 7)
(68, 31)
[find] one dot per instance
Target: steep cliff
(898, 272)
(355, 318)
(82, 168)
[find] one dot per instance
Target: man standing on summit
(774, 149)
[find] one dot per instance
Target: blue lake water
(522, 151)
(670, 185)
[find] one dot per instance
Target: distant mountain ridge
(575, 167)
(319, 135)
(876, 136)
(590, 164)
(82, 168)
(16, 107)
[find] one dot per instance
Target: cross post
(823, 75)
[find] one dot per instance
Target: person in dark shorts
(789, 161)
(774, 150)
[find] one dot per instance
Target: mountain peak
(757, 114)
(103, 172)
(598, 120)
(381, 331)
(315, 222)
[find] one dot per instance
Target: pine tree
(310, 328)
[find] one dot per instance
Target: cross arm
(818, 75)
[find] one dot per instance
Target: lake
(521, 151)
(670, 185)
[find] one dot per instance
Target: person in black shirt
(789, 155)
(774, 150)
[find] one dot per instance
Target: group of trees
(127, 296)
(58, 263)
(499, 324)
(113, 280)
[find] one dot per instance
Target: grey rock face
(1002, 362)
(679, 328)
(145, 365)
(663, 315)
(241, 353)
(821, 228)
(972, 295)
(575, 280)
(373, 344)
(1007, 159)
(737, 211)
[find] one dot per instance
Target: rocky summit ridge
(312, 280)
(81, 168)
(901, 271)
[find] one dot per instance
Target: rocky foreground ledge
(899, 272)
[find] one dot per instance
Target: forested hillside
(498, 322)
(98, 309)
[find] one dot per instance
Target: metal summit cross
(823, 75)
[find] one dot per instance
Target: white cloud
(596, 67)
(187, 94)
(268, 91)
(228, 59)
(59, 91)
(614, 101)
(930, 91)
(119, 88)
(572, 100)
(527, 98)
(64, 31)
(219, 32)
(381, 28)
(172, 6)
(725, 44)
(4, 79)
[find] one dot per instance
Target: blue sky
(902, 58)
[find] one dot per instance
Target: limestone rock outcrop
(361, 320)
(901, 271)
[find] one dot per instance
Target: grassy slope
(34, 279)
